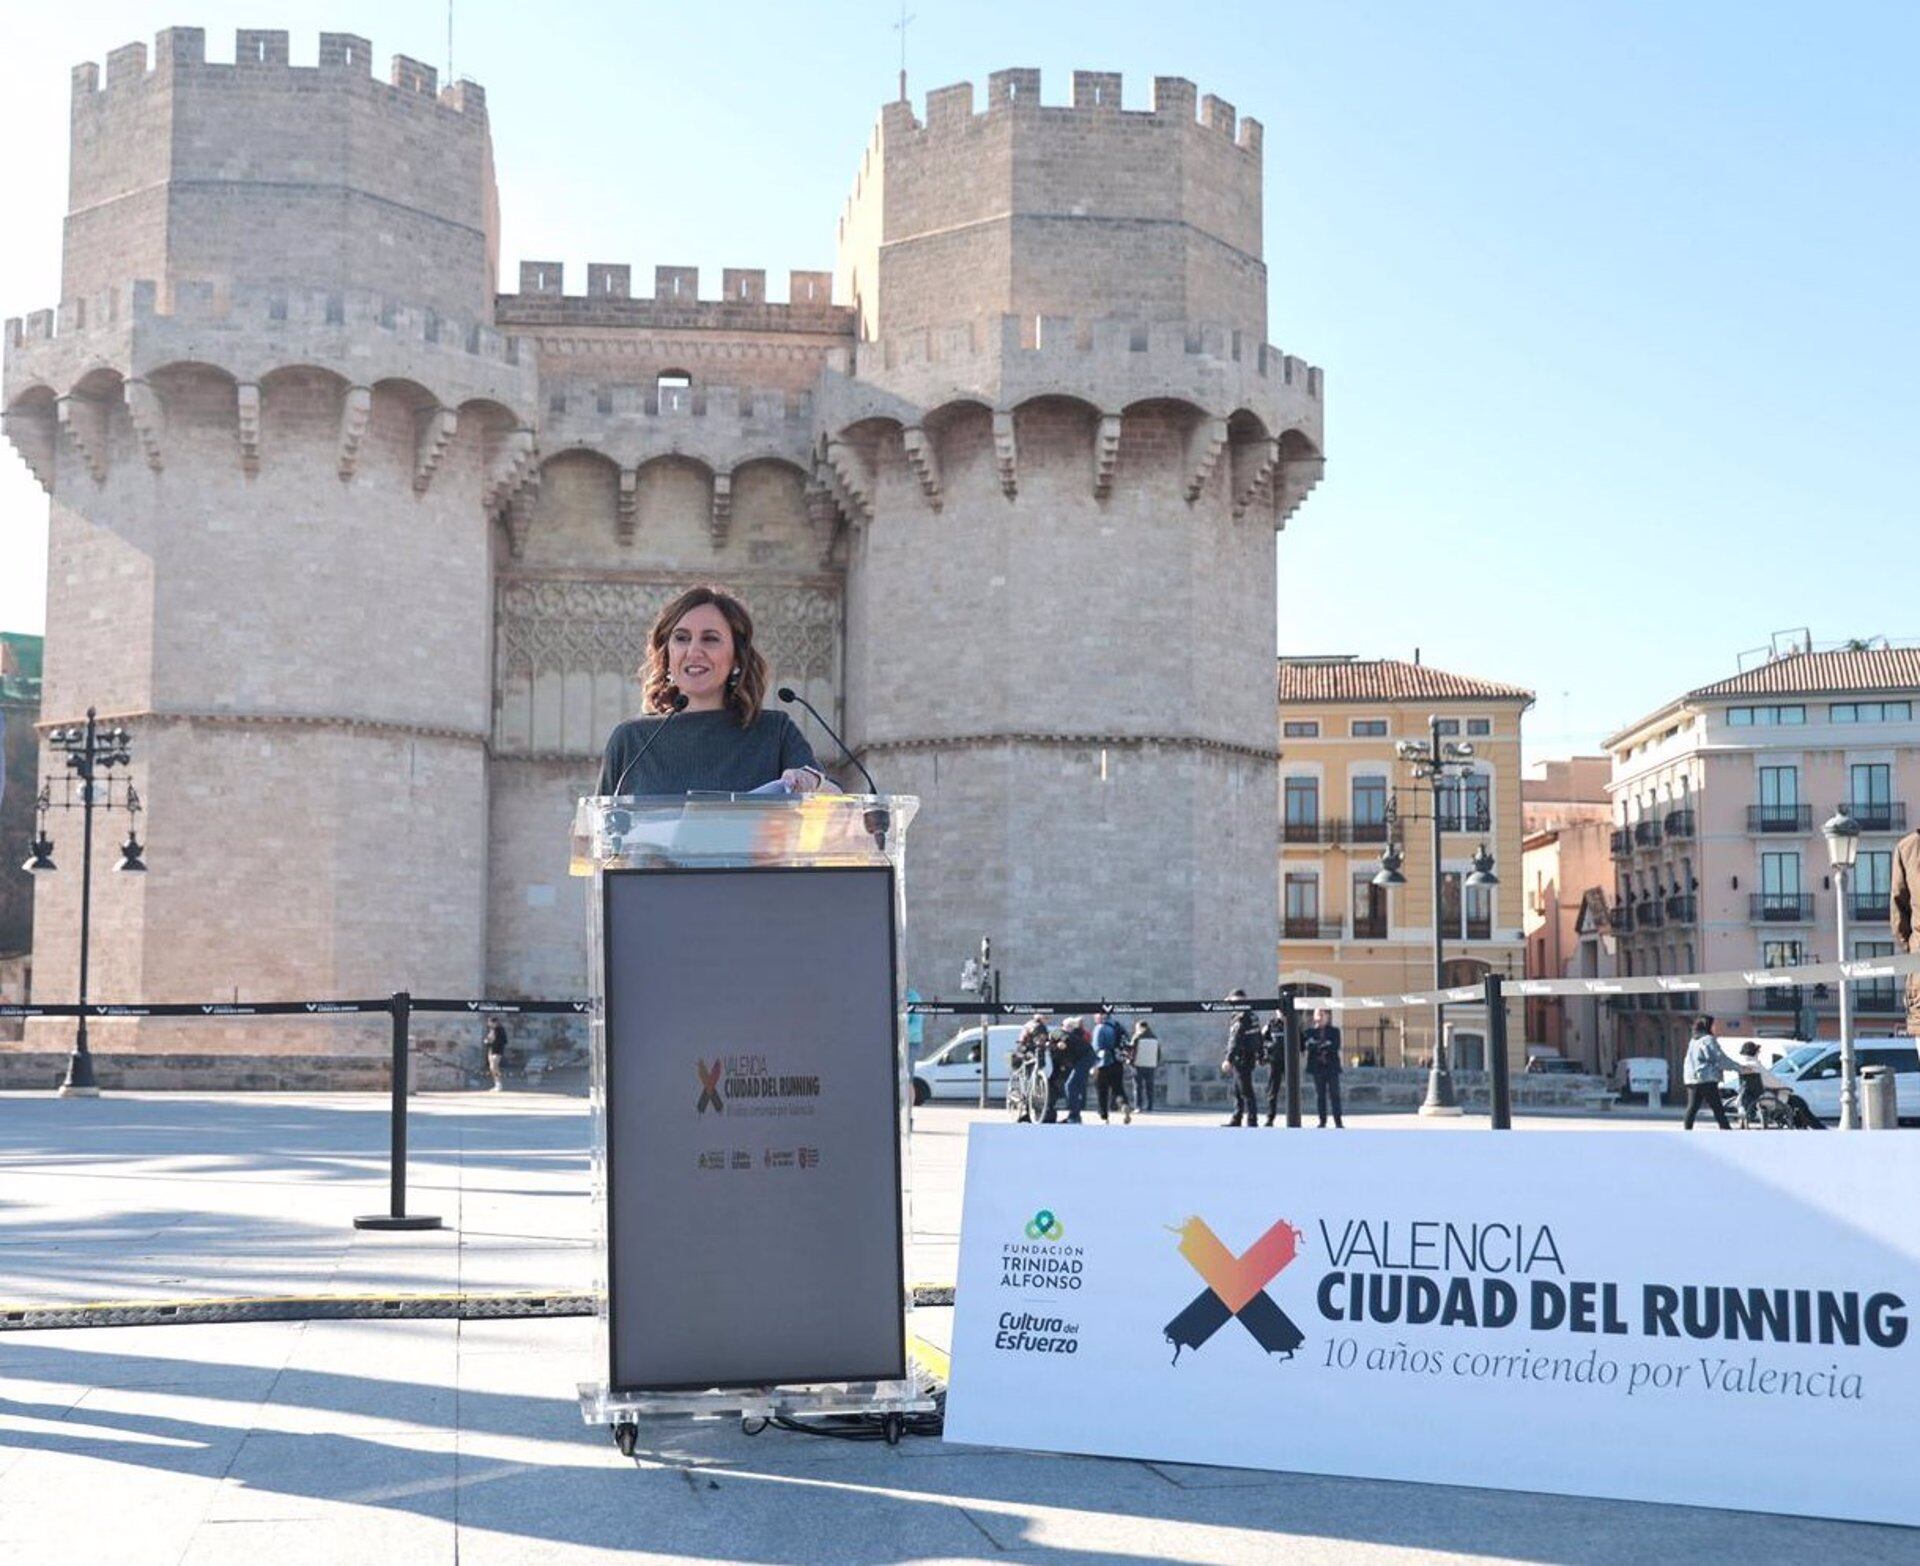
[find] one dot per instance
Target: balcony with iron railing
(1679, 823)
(1366, 928)
(1620, 843)
(1300, 927)
(1646, 834)
(1780, 999)
(1357, 831)
(1479, 929)
(1302, 831)
(1620, 916)
(1878, 815)
(1647, 915)
(1875, 906)
(1781, 907)
(1473, 818)
(1683, 908)
(1779, 818)
(1878, 998)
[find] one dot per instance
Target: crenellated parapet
(260, 55)
(675, 304)
(120, 346)
(1251, 411)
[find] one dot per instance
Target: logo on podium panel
(1236, 1288)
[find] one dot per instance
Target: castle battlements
(1013, 92)
(250, 331)
(609, 301)
(181, 51)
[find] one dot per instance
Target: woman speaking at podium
(704, 682)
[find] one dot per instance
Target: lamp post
(1842, 833)
(1432, 759)
(981, 977)
(92, 754)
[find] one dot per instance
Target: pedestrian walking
(1146, 1061)
(1110, 1067)
(1321, 1046)
(1705, 1061)
(495, 1044)
(1076, 1045)
(1244, 1050)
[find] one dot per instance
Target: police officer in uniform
(1245, 1048)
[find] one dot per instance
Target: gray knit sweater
(702, 752)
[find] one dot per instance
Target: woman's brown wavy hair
(745, 694)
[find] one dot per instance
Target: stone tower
(271, 416)
(364, 552)
(1064, 445)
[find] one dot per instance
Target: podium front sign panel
(751, 1123)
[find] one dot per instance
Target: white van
(953, 1070)
(1813, 1072)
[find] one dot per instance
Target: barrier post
(1497, 1055)
(1290, 1042)
(397, 1216)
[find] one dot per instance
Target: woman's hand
(806, 780)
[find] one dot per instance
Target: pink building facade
(1718, 800)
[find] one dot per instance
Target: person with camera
(1075, 1050)
(1246, 1047)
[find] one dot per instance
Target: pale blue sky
(1616, 302)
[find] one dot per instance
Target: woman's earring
(734, 677)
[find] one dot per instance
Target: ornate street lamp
(1842, 833)
(86, 785)
(1431, 759)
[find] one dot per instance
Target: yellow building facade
(1346, 794)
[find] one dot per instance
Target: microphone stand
(877, 819)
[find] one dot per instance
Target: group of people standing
(1122, 1065)
(1104, 1053)
(1252, 1044)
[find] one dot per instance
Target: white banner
(1710, 1319)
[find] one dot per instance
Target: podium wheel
(626, 1436)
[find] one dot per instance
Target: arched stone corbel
(925, 462)
(439, 430)
(1106, 454)
(626, 518)
(247, 402)
(34, 432)
(85, 422)
(1296, 479)
(143, 410)
(509, 464)
(1204, 446)
(1259, 477)
(722, 515)
(1005, 456)
(518, 517)
(356, 408)
(847, 473)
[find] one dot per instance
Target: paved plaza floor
(460, 1442)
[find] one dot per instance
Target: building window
(1871, 712)
(1300, 728)
(1765, 717)
(1876, 995)
(1369, 810)
(1779, 954)
(1369, 909)
(1450, 904)
(1303, 906)
(1303, 810)
(1479, 913)
(1479, 726)
(1465, 804)
(1779, 797)
(1780, 887)
(1870, 796)
(674, 389)
(1873, 884)
(1445, 727)
(1369, 728)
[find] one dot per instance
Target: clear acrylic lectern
(750, 1092)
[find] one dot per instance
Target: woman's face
(700, 656)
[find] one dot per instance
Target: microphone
(679, 705)
(877, 818)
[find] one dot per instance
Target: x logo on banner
(1236, 1288)
(710, 1087)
